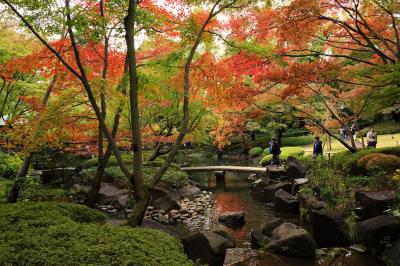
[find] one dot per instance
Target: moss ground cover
(69, 234)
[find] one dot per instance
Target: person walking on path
(372, 138)
(275, 150)
(317, 147)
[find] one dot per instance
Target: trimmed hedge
(298, 141)
(347, 162)
(256, 151)
(286, 152)
(383, 128)
(70, 234)
(379, 160)
(295, 132)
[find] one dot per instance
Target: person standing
(317, 147)
(275, 150)
(372, 138)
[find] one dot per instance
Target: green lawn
(384, 141)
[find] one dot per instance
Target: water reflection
(234, 195)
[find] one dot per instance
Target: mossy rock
(70, 234)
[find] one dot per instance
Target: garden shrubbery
(256, 151)
(173, 176)
(297, 141)
(9, 165)
(379, 160)
(70, 234)
(347, 162)
(285, 153)
(382, 128)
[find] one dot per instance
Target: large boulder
(230, 240)
(309, 204)
(329, 230)
(289, 239)
(269, 226)
(232, 219)
(374, 203)
(295, 168)
(258, 240)
(275, 172)
(208, 247)
(270, 190)
(110, 194)
(391, 255)
(163, 200)
(285, 201)
(189, 191)
(379, 232)
(258, 189)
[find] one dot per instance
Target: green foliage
(5, 185)
(175, 177)
(325, 182)
(255, 151)
(379, 160)
(286, 152)
(9, 165)
(297, 141)
(69, 234)
(346, 161)
(295, 132)
(351, 222)
(383, 128)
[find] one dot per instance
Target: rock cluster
(187, 210)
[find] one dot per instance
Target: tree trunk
(12, 196)
(137, 179)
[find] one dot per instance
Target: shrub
(69, 234)
(286, 152)
(298, 141)
(295, 132)
(174, 176)
(383, 128)
(385, 162)
(9, 165)
(347, 161)
(256, 151)
(5, 185)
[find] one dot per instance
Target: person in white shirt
(372, 138)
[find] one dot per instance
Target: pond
(235, 195)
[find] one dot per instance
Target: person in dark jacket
(317, 147)
(275, 150)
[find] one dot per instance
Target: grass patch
(286, 152)
(69, 234)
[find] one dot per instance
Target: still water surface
(235, 195)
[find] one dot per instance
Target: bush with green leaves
(295, 132)
(255, 151)
(9, 165)
(382, 128)
(347, 162)
(174, 176)
(298, 140)
(285, 153)
(70, 234)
